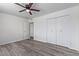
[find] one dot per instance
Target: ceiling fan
(27, 8)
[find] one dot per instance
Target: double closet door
(40, 30)
(59, 31)
(51, 31)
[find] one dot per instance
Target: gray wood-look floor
(35, 48)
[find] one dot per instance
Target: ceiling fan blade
(22, 10)
(30, 5)
(20, 5)
(30, 13)
(35, 10)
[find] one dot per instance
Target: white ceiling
(45, 8)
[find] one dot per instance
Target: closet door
(51, 31)
(40, 30)
(31, 29)
(59, 28)
(26, 30)
(67, 31)
(64, 31)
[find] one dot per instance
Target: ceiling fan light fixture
(27, 10)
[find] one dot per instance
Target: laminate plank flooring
(35, 48)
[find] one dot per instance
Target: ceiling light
(27, 10)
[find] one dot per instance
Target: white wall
(41, 26)
(13, 28)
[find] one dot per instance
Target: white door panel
(59, 31)
(51, 32)
(67, 31)
(40, 30)
(26, 30)
(64, 31)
